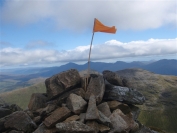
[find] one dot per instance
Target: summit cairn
(67, 108)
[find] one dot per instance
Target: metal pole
(90, 54)
(88, 71)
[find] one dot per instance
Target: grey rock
(92, 111)
(45, 111)
(114, 78)
(30, 113)
(37, 101)
(97, 87)
(123, 94)
(6, 109)
(76, 103)
(118, 105)
(74, 127)
(19, 120)
(56, 116)
(113, 105)
(144, 129)
(62, 82)
(135, 111)
(2, 121)
(104, 120)
(43, 129)
(94, 125)
(14, 131)
(104, 108)
(4, 112)
(14, 107)
(82, 117)
(103, 128)
(61, 99)
(118, 123)
(122, 122)
(37, 119)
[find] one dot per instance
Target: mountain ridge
(164, 66)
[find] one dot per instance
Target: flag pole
(88, 71)
(90, 54)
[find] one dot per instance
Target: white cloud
(109, 50)
(78, 15)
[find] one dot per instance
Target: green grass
(6, 83)
(22, 96)
(162, 119)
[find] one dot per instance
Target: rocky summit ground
(160, 90)
(71, 106)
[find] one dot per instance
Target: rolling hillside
(22, 96)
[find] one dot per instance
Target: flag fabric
(99, 27)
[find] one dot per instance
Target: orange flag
(99, 27)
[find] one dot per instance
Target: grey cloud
(78, 15)
(39, 44)
(109, 50)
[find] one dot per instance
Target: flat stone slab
(56, 116)
(97, 87)
(123, 94)
(76, 103)
(104, 108)
(74, 127)
(19, 120)
(92, 111)
(61, 82)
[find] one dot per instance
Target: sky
(54, 32)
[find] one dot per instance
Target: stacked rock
(67, 108)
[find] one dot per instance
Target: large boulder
(7, 109)
(96, 86)
(118, 123)
(122, 122)
(56, 116)
(76, 103)
(114, 78)
(62, 82)
(4, 112)
(37, 101)
(74, 127)
(60, 99)
(19, 121)
(123, 94)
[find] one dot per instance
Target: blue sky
(51, 32)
